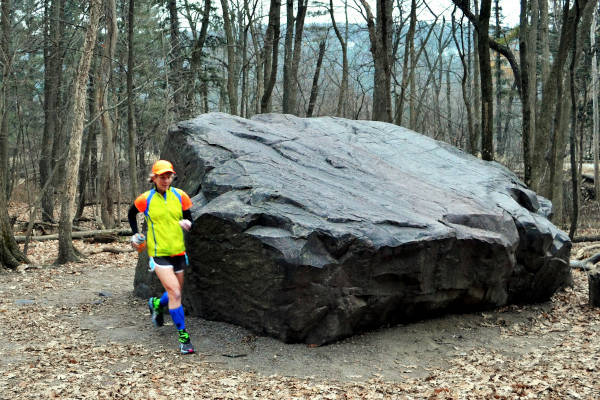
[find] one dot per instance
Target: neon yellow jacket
(163, 212)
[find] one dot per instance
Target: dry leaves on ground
(47, 353)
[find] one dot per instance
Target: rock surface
(311, 230)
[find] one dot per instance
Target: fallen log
(588, 177)
(77, 235)
(109, 249)
(581, 239)
(586, 264)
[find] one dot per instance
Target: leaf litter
(55, 347)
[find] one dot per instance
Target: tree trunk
(314, 92)
(594, 287)
(412, 82)
(475, 87)
(460, 46)
(380, 34)
(10, 254)
(527, 74)
(196, 75)
(244, 104)
(287, 56)
(131, 126)
(271, 52)
(175, 60)
(258, 68)
(498, 76)
(296, 54)
(53, 60)
(574, 171)
(543, 28)
(532, 45)
(232, 80)
(595, 134)
(410, 38)
(85, 175)
(448, 100)
(66, 251)
(547, 152)
(340, 109)
(487, 90)
(107, 190)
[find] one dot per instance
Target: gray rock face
(311, 230)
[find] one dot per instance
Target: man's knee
(175, 295)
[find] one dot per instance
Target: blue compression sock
(164, 299)
(178, 317)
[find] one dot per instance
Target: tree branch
(500, 48)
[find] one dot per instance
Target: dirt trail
(48, 313)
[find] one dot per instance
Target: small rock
(24, 301)
(105, 294)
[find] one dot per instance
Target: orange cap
(162, 166)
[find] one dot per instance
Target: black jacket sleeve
(187, 214)
(131, 216)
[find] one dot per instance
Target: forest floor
(77, 332)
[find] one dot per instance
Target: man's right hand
(138, 241)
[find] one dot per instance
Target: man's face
(163, 181)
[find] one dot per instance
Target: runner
(167, 213)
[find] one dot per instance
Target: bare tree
(460, 46)
(53, 62)
(314, 92)
(131, 127)
(10, 254)
(259, 55)
(409, 46)
(380, 34)
(271, 52)
(341, 106)
(292, 55)
(107, 171)
(527, 74)
(549, 137)
(232, 59)
(574, 170)
(487, 92)
(198, 81)
(66, 251)
(175, 60)
(595, 134)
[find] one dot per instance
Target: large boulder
(314, 229)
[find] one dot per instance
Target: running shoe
(156, 312)
(185, 345)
